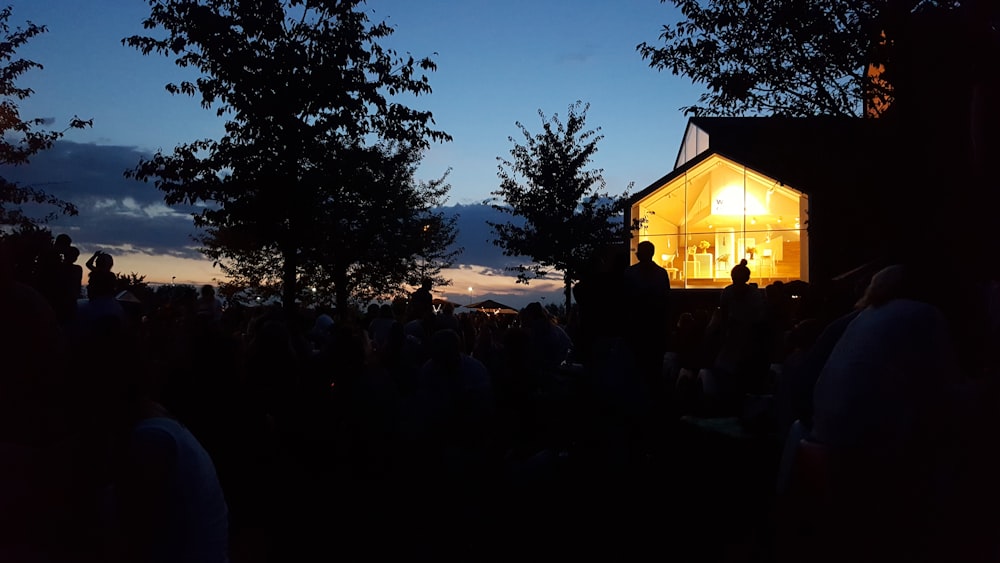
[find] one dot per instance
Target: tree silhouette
(20, 138)
(565, 212)
(307, 89)
(930, 70)
(379, 233)
(776, 57)
(132, 281)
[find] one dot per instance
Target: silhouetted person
(446, 319)
(549, 344)
(101, 312)
(422, 298)
(101, 281)
(169, 503)
(451, 433)
(744, 343)
(47, 266)
(69, 281)
(378, 328)
(882, 404)
(48, 478)
(647, 316)
(209, 305)
(601, 315)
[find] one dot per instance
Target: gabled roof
(807, 153)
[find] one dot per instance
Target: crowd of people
(197, 432)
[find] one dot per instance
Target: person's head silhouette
(62, 242)
(71, 255)
(105, 261)
(740, 273)
(644, 251)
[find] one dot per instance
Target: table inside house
(700, 265)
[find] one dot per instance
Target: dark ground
(699, 496)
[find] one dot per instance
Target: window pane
(706, 220)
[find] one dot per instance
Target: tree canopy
(564, 211)
(785, 57)
(24, 207)
(376, 232)
(309, 94)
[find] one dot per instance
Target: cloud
(475, 236)
(129, 216)
(114, 212)
(129, 219)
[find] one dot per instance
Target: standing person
(420, 315)
(166, 504)
(70, 277)
(887, 409)
(101, 280)
(48, 276)
(422, 298)
(101, 311)
(648, 317)
(742, 362)
(209, 304)
(600, 315)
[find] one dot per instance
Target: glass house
(711, 211)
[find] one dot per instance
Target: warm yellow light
(734, 200)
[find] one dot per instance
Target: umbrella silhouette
(491, 306)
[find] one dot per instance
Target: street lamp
(470, 296)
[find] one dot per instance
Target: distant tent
(127, 296)
(493, 307)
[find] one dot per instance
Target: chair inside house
(767, 262)
(668, 264)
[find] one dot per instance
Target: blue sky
(498, 63)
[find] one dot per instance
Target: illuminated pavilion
(798, 198)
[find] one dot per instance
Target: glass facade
(704, 221)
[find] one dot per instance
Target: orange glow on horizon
(167, 269)
(163, 269)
